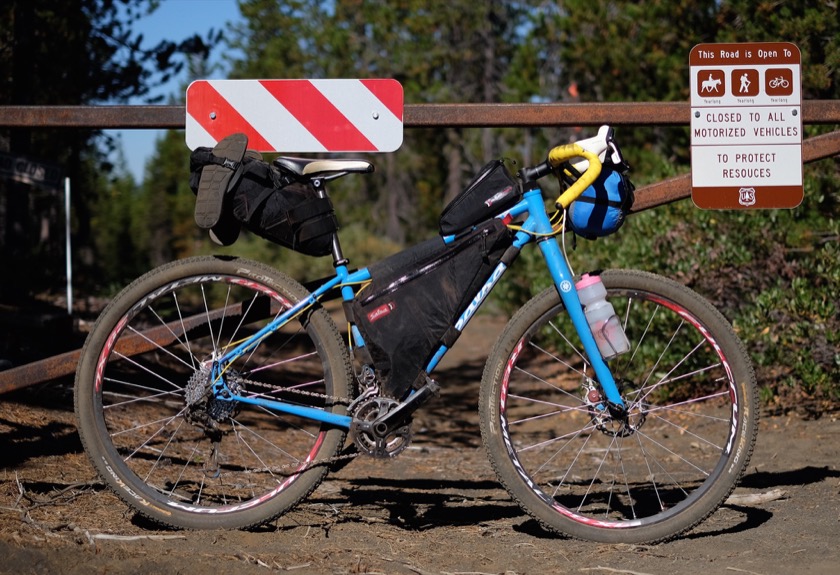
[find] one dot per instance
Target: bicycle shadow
(32, 442)
(448, 423)
(424, 504)
(452, 419)
(414, 505)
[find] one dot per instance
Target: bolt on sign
(341, 115)
(746, 125)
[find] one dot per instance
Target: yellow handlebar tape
(560, 154)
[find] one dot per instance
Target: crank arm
(392, 420)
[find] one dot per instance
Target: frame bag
(415, 297)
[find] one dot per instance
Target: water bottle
(605, 325)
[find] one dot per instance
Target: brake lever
(615, 155)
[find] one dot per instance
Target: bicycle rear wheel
(645, 476)
(153, 429)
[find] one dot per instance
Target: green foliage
(457, 51)
(169, 202)
(795, 333)
(772, 273)
(115, 242)
(813, 26)
(75, 53)
(359, 245)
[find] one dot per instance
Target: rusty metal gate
(824, 112)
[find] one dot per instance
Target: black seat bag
(272, 204)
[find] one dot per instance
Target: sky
(174, 20)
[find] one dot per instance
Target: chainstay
(318, 462)
(324, 396)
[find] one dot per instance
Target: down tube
(468, 314)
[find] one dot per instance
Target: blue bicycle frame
(537, 225)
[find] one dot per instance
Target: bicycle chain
(330, 461)
(324, 396)
(368, 381)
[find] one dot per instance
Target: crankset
(382, 443)
(382, 425)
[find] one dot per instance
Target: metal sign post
(68, 253)
(746, 125)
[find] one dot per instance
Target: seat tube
(565, 283)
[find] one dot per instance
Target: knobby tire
(691, 393)
(166, 446)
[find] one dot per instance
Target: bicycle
(779, 82)
(217, 392)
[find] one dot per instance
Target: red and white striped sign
(297, 115)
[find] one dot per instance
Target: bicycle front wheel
(642, 476)
(151, 424)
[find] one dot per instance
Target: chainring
(369, 443)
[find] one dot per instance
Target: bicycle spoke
(151, 437)
(193, 364)
(571, 466)
(134, 399)
(595, 466)
(210, 460)
(244, 315)
(282, 362)
(140, 426)
(149, 371)
(572, 435)
(175, 336)
(550, 385)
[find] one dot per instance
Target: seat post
(337, 253)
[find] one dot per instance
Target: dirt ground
(436, 509)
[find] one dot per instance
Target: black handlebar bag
(415, 296)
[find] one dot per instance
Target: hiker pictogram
(745, 82)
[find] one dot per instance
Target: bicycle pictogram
(778, 82)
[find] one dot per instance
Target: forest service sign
(746, 125)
